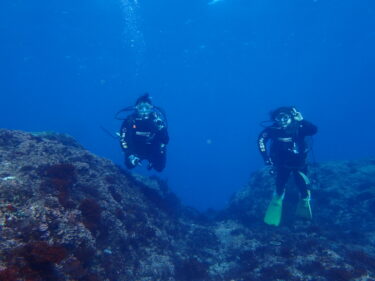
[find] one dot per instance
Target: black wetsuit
(288, 152)
(145, 138)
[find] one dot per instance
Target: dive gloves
(134, 160)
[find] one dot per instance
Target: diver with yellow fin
(287, 155)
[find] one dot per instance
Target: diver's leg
(158, 161)
(303, 183)
(158, 158)
(274, 210)
(282, 175)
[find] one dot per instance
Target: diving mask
(283, 120)
(144, 109)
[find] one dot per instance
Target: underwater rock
(54, 193)
(343, 220)
(66, 214)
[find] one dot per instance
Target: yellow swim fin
(303, 208)
(274, 210)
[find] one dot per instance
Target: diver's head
(143, 106)
(283, 119)
(145, 98)
(283, 116)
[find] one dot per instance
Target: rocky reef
(66, 214)
(337, 245)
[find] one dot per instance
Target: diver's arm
(263, 138)
(164, 137)
(126, 135)
(161, 137)
(307, 128)
(161, 129)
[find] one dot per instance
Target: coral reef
(66, 214)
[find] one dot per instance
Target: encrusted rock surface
(66, 214)
(337, 245)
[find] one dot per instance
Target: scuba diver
(144, 134)
(287, 155)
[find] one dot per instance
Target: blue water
(217, 70)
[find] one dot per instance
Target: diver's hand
(159, 123)
(134, 160)
(297, 115)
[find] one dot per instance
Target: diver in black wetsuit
(287, 155)
(144, 135)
